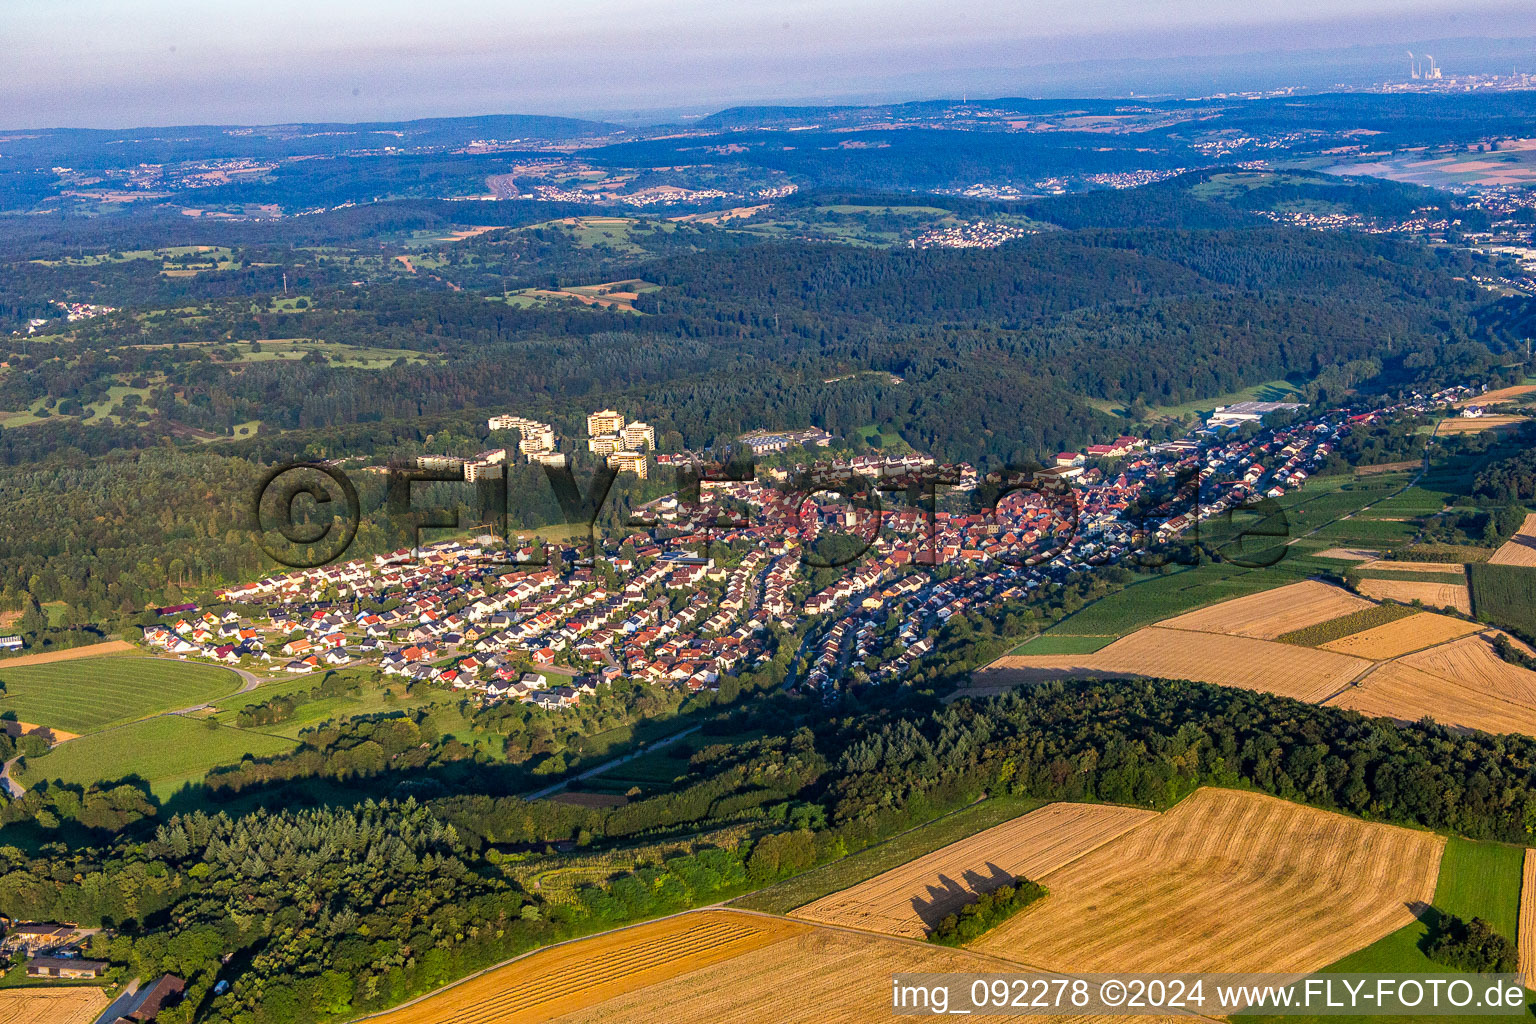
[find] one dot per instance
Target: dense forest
(1510, 479)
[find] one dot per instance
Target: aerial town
(692, 593)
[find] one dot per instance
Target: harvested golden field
(579, 974)
(820, 976)
(1249, 664)
(1459, 425)
(1474, 663)
(1519, 549)
(1527, 939)
(1399, 691)
(912, 899)
(1270, 613)
(1434, 595)
(1497, 395)
(1226, 881)
(89, 651)
(1400, 636)
(63, 1005)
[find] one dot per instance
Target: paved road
(13, 789)
(606, 765)
(124, 1004)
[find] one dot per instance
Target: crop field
(1444, 574)
(1161, 596)
(1473, 663)
(1476, 879)
(1415, 501)
(1482, 880)
(70, 654)
(817, 976)
(1378, 468)
(1365, 529)
(1478, 425)
(1350, 554)
(166, 751)
(1399, 637)
(62, 1005)
(1243, 662)
(1063, 643)
(910, 900)
(1497, 395)
(1392, 567)
(1519, 549)
(1345, 625)
(808, 886)
(577, 975)
(1270, 613)
(1226, 881)
(88, 694)
(1527, 938)
(1505, 595)
(1433, 595)
(1443, 554)
(1401, 692)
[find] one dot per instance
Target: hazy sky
(112, 63)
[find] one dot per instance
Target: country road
(13, 789)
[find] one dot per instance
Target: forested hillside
(984, 355)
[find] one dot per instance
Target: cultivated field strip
(1521, 548)
(71, 654)
(63, 1005)
(819, 977)
(1442, 568)
(1283, 669)
(908, 900)
(579, 974)
(1271, 613)
(1227, 881)
(1402, 636)
(1527, 938)
(1434, 595)
(1402, 692)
